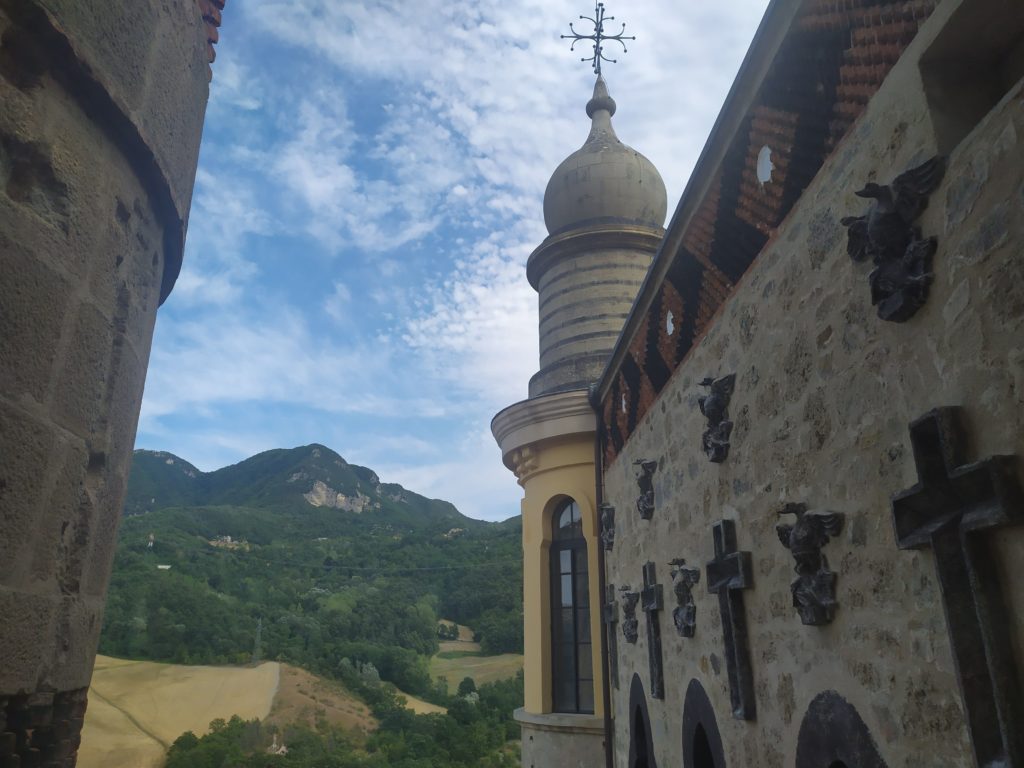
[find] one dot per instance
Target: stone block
(33, 313)
(79, 396)
(26, 445)
(29, 640)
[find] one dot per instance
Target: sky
(370, 185)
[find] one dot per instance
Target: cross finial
(599, 37)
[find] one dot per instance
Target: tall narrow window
(571, 665)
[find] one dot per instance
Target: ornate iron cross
(611, 620)
(599, 37)
(651, 601)
(949, 509)
(728, 575)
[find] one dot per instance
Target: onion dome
(604, 182)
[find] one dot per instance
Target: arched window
(572, 672)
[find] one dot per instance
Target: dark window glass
(566, 628)
(586, 694)
(582, 589)
(583, 625)
(566, 590)
(572, 673)
(565, 561)
(583, 668)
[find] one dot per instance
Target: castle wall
(101, 110)
(824, 393)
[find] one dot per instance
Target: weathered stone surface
(101, 109)
(824, 393)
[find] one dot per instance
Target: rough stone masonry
(101, 113)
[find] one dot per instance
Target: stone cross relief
(949, 510)
(684, 579)
(652, 602)
(728, 575)
(630, 625)
(611, 619)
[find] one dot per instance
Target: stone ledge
(532, 421)
(562, 722)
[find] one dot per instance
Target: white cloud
(338, 303)
(270, 360)
(482, 101)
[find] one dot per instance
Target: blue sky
(370, 186)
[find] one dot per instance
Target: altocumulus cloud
(369, 190)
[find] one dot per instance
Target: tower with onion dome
(604, 208)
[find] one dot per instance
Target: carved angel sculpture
(608, 526)
(715, 407)
(630, 625)
(684, 579)
(887, 235)
(645, 482)
(814, 589)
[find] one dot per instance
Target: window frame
(581, 639)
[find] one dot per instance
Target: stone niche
(824, 395)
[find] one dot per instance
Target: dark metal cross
(729, 573)
(948, 509)
(652, 601)
(611, 621)
(598, 37)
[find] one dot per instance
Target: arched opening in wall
(833, 734)
(572, 671)
(702, 757)
(641, 747)
(702, 743)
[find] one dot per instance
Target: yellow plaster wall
(563, 467)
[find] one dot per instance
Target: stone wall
(824, 394)
(101, 110)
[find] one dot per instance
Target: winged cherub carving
(814, 588)
(684, 579)
(888, 236)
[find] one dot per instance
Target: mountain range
(286, 480)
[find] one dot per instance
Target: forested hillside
(298, 556)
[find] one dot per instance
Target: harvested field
(303, 697)
(137, 708)
(483, 669)
(421, 707)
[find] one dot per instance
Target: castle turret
(604, 209)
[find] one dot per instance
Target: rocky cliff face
(322, 495)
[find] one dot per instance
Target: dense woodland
(338, 592)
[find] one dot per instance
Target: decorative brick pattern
(834, 58)
(211, 11)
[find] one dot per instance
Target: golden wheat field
(137, 708)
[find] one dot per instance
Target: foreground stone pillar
(101, 112)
